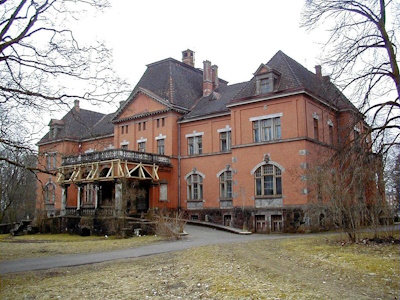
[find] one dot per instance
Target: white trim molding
(124, 142)
(160, 137)
(269, 163)
(141, 140)
(266, 117)
(195, 133)
(226, 129)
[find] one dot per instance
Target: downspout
(179, 166)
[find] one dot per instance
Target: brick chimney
(215, 81)
(318, 71)
(207, 78)
(188, 57)
(76, 105)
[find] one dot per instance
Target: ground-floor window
(50, 193)
(268, 180)
(195, 187)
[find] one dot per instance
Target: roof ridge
(284, 56)
(171, 86)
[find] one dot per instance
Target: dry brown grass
(306, 268)
(57, 244)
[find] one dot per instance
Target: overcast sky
(235, 35)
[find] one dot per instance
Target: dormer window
(265, 86)
(266, 80)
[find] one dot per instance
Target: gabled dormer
(267, 79)
(55, 127)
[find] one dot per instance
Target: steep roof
(216, 102)
(77, 124)
(173, 81)
(296, 77)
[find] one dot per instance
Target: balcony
(111, 154)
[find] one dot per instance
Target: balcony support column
(118, 198)
(63, 199)
(78, 204)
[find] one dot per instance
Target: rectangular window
(139, 126)
(225, 141)
(265, 86)
(142, 147)
(267, 130)
(158, 123)
(163, 122)
(144, 125)
(126, 128)
(163, 192)
(124, 147)
(195, 145)
(161, 146)
(331, 134)
(316, 131)
(122, 129)
(51, 161)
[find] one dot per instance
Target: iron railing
(130, 156)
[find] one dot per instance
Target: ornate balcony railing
(130, 156)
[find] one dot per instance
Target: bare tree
(347, 191)
(43, 65)
(17, 186)
(361, 53)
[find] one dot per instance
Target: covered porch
(109, 183)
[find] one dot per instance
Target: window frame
(268, 181)
(225, 142)
(142, 146)
(267, 129)
(161, 146)
(194, 184)
(195, 145)
(226, 185)
(50, 194)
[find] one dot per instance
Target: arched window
(195, 187)
(268, 180)
(50, 192)
(225, 185)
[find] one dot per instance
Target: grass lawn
(301, 268)
(15, 247)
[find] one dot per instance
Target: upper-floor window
(316, 129)
(195, 145)
(160, 122)
(124, 147)
(268, 180)
(161, 146)
(51, 161)
(124, 129)
(142, 146)
(225, 141)
(195, 187)
(265, 86)
(267, 129)
(90, 193)
(225, 185)
(330, 134)
(141, 126)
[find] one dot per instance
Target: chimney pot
(215, 80)
(76, 105)
(207, 78)
(188, 57)
(318, 71)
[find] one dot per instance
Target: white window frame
(260, 128)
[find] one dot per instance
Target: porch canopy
(109, 165)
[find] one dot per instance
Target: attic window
(267, 80)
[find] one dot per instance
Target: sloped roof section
(216, 102)
(78, 123)
(296, 77)
(173, 81)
